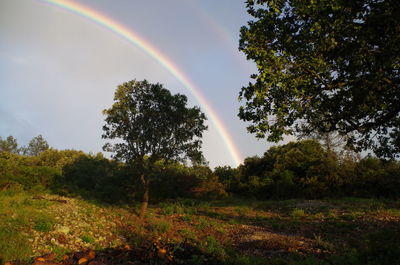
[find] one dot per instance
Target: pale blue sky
(58, 71)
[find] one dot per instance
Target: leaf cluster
(325, 66)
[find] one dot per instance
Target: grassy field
(343, 231)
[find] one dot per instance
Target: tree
(325, 66)
(9, 145)
(150, 124)
(36, 146)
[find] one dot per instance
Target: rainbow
(163, 60)
(222, 33)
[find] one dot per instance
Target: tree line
(302, 169)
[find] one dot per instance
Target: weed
(203, 223)
(188, 235)
(332, 214)
(159, 226)
(137, 239)
(171, 208)
(242, 211)
(297, 213)
(319, 242)
(214, 248)
(232, 221)
(58, 250)
(87, 239)
(43, 225)
(185, 206)
(187, 218)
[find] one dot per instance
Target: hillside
(43, 228)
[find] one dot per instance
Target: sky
(59, 69)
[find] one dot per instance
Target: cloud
(16, 126)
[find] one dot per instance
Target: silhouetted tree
(150, 124)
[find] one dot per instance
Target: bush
(304, 169)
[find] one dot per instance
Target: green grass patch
(297, 213)
(159, 225)
(213, 247)
(43, 225)
(88, 238)
(13, 244)
(19, 213)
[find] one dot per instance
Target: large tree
(325, 66)
(150, 124)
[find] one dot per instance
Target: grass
(13, 244)
(43, 225)
(159, 225)
(243, 232)
(88, 238)
(297, 213)
(17, 212)
(214, 248)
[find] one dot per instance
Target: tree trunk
(145, 198)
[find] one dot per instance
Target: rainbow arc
(162, 59)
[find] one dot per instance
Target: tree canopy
(9, 145)
(325, 66)
(36, 146)
(150, 121)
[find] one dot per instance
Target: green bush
(304, 169)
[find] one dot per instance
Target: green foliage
(36, 146)
(58, 158)
(152, 126)
(214, 248)
(174, 180)
(171, 208)
(9, 145)
(304, 169)
(26, 171)
(324, 66)
(152, 122)
(97, 177)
